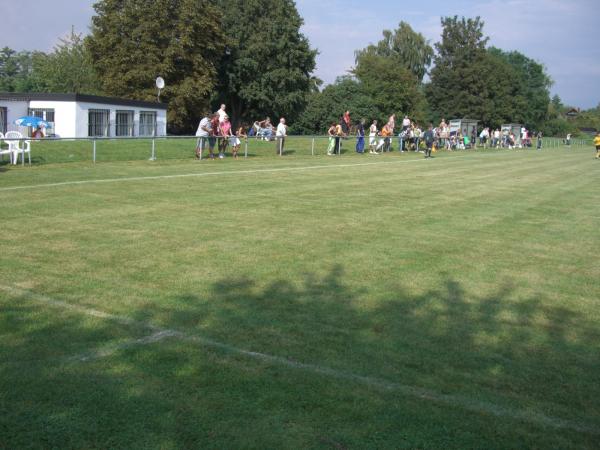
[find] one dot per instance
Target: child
(597, 144)
(225, 132)
(236, 142)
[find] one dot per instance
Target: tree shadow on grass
(498, 347)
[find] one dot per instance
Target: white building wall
(65, 116)
(14, 110)
(84, 107)
(71, 118)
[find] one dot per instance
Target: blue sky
(563, 35)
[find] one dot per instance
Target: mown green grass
(472, 276)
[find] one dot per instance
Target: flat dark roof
(28, 96)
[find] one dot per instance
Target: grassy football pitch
(346, 302)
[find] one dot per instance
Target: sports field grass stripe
(230, 172)
(457, 401)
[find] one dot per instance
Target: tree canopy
(134, 41)
(405, 47)
(267, 69)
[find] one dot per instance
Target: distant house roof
(573, 112)
(12, 96)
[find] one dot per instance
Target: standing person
(346, 123)
(203, 133)
(405, 123)
(331, 144)
(597, 144)
(568, 142)
(360, 137)
(214, 134)
(418, 134)
(539, 140)
(392, 123)
(385, 134)
(280, 135)
(429, 138)
(483, 137)
(236, 141)
(474, 138)
(339, 132)
(496, 142)
(226, 134)
(221, 112)
(373, 138)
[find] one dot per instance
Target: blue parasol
(30, 121)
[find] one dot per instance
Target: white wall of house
(83, 109)
(64, 116)
(14, 110)
(71, 118)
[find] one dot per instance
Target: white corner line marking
(159, 334)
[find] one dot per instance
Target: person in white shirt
(405, 123)
(373, 138)
(280, 134)
(203, 132)
(221, 112)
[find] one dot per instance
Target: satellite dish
(160, 84)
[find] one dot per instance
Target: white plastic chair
(4, 151)
(14, 148)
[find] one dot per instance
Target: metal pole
(94, 151)
(312, 150)
(153, 157)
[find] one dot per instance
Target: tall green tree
(470, 82)
(267, 70)
(327, 106)
(17, 71)
(405, 46)
(134, 41)
(533, 85)
(68, 69)
(393, 89)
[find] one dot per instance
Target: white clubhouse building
(79, 115)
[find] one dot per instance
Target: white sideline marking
(226, 172)
(110, 350)
(453, 400)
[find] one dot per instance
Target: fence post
(246, 148)
(312, 149)
(94, 151)
(153, 157)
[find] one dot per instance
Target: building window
(124, 123)
(147, 123)
(3, 124)
(44, 114)
(98, 122)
